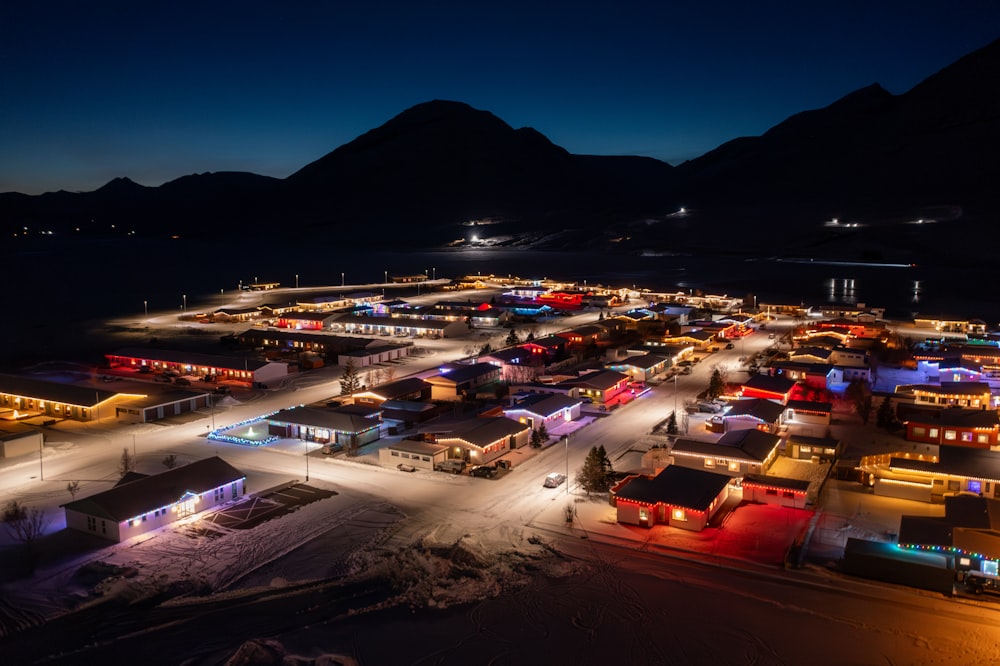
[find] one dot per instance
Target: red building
(953, 426)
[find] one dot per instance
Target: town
(760, 435)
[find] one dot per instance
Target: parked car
(554, 480)
(182, 381)
(163, 378)
(171, 373)
(687, 370)
(221, 389)
(453, 466)
(145, 369)
(709, 407)
(483, 471)
(403, 467)
(730, 345)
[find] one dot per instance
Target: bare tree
(389, 373)
(73, 487)
(126, 463)
(24, 524)
(170, 461)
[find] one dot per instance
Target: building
(758, 413)
(642, 367)
(601, 386)
(421, 455)
(306, 321)
(156, 406)
(957, 470)
(150, 502)
(776, 387)
(775, 490)
(807, 417)
(410, 389)
(678, 496)
(953, 426)
(22, 397)
(736, 454)
(325, 426)
(478, 440)
(542, 409)
(231, 368)
(400, 326)
(17, 439)
(975, 395)
(815, 449)
(374, 353)
(517, 364)
(458, 381)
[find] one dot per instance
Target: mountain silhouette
(438, 166)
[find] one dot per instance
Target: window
(933, 432)
(966, 436)
(829, 452)
(788, 494)
(805, 449)
(734, 466)
(143, 517)
(709, 462)
(953, 485)
(394, 453)
(919, 431)
(91, 523)
(771, 491)
(233, 486)
(678, 514)
(983, 439)
(950, 435)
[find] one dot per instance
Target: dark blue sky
(157, 90)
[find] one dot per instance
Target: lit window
(966, 436)
(709, 462)
(678, 514)
(933, 432)
(950, 435)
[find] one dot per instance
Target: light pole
(386, 277)
(135, 456)
(145, 308)
(184, 302)
(307, 458)
(41, 470)
(222, 297)
(435, 274)
(341, 279)
(566, 443)
(296, 280)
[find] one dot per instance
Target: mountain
(425, 175)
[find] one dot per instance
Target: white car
(554, 480)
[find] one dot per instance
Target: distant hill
(422, 178)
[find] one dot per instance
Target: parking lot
(253, 510)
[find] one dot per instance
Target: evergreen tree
(531, 336)
(512, 338)
(543, 432)
(536, 439)
(860, 395)
(716, 385)
(672, 424)
(884, 417)
(349, 380)
(595, 475)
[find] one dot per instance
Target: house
(306, 320)
(776, 387)
(601, 386)
(759, 413)
(775, 490)
(324, 343)
(550, 347)
(517, 364)
(807, 417)
(422, 455)
(17, 439)
(678, 496)
(819, 376)
(975, 395)
(585, 335)
(147, 503)
(815, 449)
(325, 426)
(408, 389)
(640, 367)
(478, 440)
(736, 453)
(698, 338)
(400, 326)
(957, 470)
(811, 355)
(374, 353)
(457, 381)
(160, 405)
(236, 314)
(968, 533)
(952, 426)
(950, 324)
(542, 409)
(22, 397)
(191, 363)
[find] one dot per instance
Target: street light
(386, 277)
(184, 302)
(296, 280)
(435, 274)
(341, 279)
(145, 308)
(307, 458)
(566, 443)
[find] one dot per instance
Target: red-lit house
(585, 335)
(548, 348)
(770, 387)
(775, 490)
(952, 426)
(305, 321)
(678, 496)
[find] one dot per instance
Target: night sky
(157, 90)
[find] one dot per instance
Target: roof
(399, 388)
(549, 341)
(644, 361)
(771, 384)
(413, 446)
(11, 430)
(67, 394)
(953, 416)
(190, 358)
(544, 404)
(130, 500)
(677, 486)
(954, 388)
(484, 431)
(308, 316)
(754, 444)
(818, 352)
(810, 406)
(303, 336)
(767, 411)
(458, 373)
(164, 398)
(324, 418)
(799, 485)
(602, 380)
(362, 352)
(403, 322)
(956, 460)
(513, 354)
